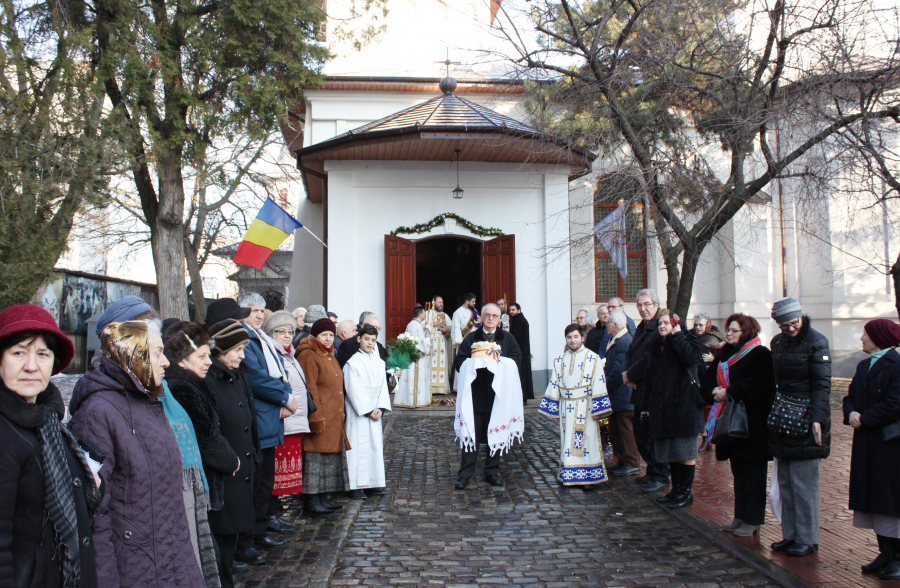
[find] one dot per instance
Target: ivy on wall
(439, 220)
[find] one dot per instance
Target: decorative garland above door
(439, 220)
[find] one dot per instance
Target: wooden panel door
(498, 270)
(399, 284)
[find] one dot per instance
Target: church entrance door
(446, 266)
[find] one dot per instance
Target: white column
(557, 268)
(341, 238)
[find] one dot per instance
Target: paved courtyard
(529, 532)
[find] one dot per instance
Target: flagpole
(316, 238)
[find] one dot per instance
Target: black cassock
(482, 387)
(518, 328)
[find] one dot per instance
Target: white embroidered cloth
(507, 423)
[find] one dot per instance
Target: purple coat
(141, 534)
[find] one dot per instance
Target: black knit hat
(224, 308)
(227, 335)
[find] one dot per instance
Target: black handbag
(732, 423)
(789, 416)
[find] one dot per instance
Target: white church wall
(369, 199)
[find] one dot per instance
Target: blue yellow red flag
(268, 230)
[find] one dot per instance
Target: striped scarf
(723, 378)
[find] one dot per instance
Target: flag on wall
(611, 234)
(268, 230)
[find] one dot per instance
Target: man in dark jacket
(637, 360)
(621, 428)
(803, 377)
(483, 393)
(520, 330)
(351, 345)
(597, 338)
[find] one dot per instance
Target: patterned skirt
(325, 472)
(288, 466)
(672, 449)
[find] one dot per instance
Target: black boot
(686, 495)
(892, 571)
(325, 500)
(314, 506)
(674, 469)
(885, 555)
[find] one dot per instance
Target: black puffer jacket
(637, 360)
(803, 370)
(670, 398)
(219, 459)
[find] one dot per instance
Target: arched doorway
(486, 268)
(448, 266)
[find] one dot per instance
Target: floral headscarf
(127, 344)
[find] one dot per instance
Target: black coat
(752, 381)
(482, 388)
(593, 339)
(619, 393)
(875, 465)
(219, 459)
(670, 399)
(237, 422)
(636, 359)
(803, 369)
(520, 330)
(28, 543)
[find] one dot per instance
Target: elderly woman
(872, 408)
(48, 493)
(324, 450)
(141, 532)
(288, 456)
(675, 418)
(744, 371)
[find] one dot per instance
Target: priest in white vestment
(414, 388)
(366, 401)
(577, 396)
(463, 323)
(441, 359)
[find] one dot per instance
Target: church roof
(445, 128)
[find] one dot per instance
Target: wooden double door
(498, 278)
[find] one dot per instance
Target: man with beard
(483, 397)
(438, 322)
(519, 329)
(463, 323)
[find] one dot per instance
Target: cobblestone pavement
(842, 547)
(529, 532)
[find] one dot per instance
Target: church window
(613, 191)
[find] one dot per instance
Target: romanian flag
(269, 230)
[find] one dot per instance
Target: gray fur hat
(315, 312)
(786, 309)
(279, 319)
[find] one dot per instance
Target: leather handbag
(732, 423)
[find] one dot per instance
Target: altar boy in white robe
(577, 396)
(366, 401)
(414, 387)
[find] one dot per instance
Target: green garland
(439, 220)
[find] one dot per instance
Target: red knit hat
(322, 325)
(28, 317)
(883, 332)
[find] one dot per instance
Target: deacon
(366, 401)
(414, 388)
(504, 314)
(439, 323)
(463, 323)
(519, 329)
(488, 395)
(577, 396)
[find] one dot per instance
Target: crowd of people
(169, 465)
(674, 392)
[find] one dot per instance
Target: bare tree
(709, 102)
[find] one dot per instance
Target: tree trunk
(686, 283)
(895, 274)
(193, 267)
(169, 245)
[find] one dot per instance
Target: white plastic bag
(775, 491)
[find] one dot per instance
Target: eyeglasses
(611, 307)
(733, 331)
(794, 324)
(283, 331)
(491, 315)
(645, 304)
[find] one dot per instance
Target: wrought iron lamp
(458, 192)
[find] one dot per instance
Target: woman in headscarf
(288, 456)
(872, 408)
(48, 493)
(324, 447)
(141, 531)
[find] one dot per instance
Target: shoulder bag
(732, 423)
(697, 395)
(789, 416)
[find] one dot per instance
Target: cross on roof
(448, 63)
